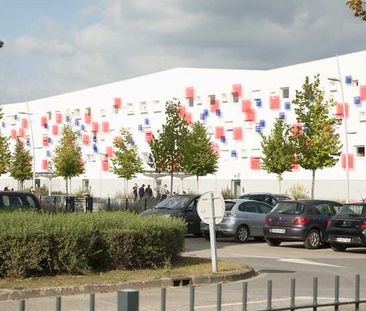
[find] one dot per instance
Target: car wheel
(273, 242)
(338, 247)
(241, 234)
(259, 238)
(313, 239)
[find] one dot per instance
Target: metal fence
(128, 300)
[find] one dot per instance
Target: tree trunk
(21, 185)
(171, 183)
(279, 178)
(198, 185)
(67, 186)
(126, 193)
(313, 185)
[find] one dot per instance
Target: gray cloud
(120, 39)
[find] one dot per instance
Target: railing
(128, 300)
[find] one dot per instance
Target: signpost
(211, 209)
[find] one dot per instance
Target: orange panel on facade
(351, 164)
(246, 105)
(363, 92)
(105, 127)
(182, 110)
(54, 129)
(188, 118)
(274, 102)
(58, 118)
(340, 111)
(21, 133)
(219, 132)
(238, 133)
(95, 127)
(149, 136)
(214, 105)
(190, 92)
(44, 121)
(45, 141)
(237, 90)
(87, 118)
(25, 123)
(13, 134)
(255, 163)
(117, 103)
(109, 152)
(105, 165)
(86, 139)
(250, 115)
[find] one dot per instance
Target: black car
(18, 199)
(348, 227)
(266, 197)
(184, 206)
(303, 220)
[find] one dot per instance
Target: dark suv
(348, 228)
(18, 199)
(183, 206)
(303, 220)
(269, 198)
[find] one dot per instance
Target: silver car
(243, 219)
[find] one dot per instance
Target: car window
(269, 200)
(229, 205)
(352, 210)
(281, 197)
(30, 201)
(264, 209)
(324, 209)
(289, 208)
(12, 201)
(248, 207)
(191, 206)
(174, 202)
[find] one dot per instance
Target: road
(279, 264)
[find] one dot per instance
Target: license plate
(277, 230)
(343, 240)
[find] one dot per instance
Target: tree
(67, 160)
(200, 159)
(4, 151)
(126, 162)
(168, 147)
(21, 164)
(358, 8)
(317, 145)
(278, 150)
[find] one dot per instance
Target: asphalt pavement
(279, 264)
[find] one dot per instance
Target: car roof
(310, 201)
(245, 200)
(11, 192)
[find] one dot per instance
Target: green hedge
(34, 244)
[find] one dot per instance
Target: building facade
(235, 105)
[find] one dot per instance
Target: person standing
(149, 192)
(164, 192)
(134, 190)
(142, 191)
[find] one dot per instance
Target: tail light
(267, 220)
(363, 224)
(229, 214)
(301, 221)
(329, 223)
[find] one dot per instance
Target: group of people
(142, 192)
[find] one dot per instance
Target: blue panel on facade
(49, 140)
(205, 112)
(262, 123)
(147, 121)
(95, 148)
(348, 80)
(15, 117)
(140, 127)
(202, 117)
(357, 100)
(48, 153)
(258, 102)
(77, 122)
(233, 154)
(3, 124)
(258, 129)
(282, 116)
(82, 127)
(133, 142)
(223, 139)
(218, 113)
(287, 105)
(28, 142)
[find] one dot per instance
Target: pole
(33, 147)
(345, 130)
(213, 235)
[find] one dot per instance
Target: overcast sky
(53, 47)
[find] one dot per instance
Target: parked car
(266, 197)
(242, 219)
(303, 220)
(18, 199)
(183, 206)
(348, 227)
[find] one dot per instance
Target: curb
(17, 294)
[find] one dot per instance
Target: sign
(205, 210)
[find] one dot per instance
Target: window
(248, 207)
(212, 99)
(324, 209)
(229, 205)
(354, 82)
(224, 98)
(49, 115)
(190, 102)
(130, 110)
(30, 201)
(12, 201)
(285, 91)
(264, 209)
(360, 151)
(143, 107)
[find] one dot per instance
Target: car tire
(259, 238)
(313, 239)
(273, 242)
(338, 247)
(241, 234)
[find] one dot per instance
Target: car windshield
(351, 210)
(288, 208)
(173, 202)
(229, 205)
(281, 197)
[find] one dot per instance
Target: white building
(234, 105)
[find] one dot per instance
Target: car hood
(161, 212)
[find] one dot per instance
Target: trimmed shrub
(34, 244)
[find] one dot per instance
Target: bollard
(58, 303)
(163, 299)
(336, 293)
(21, 305)
(269, 295)
(357, 293)
(191, 298)
(315, 294)
(128, 300)
(245, 297)
(293, 294)
(218, 296)
(92, 302)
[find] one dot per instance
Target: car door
(325, 213)
(264, 209)
(192, 218)
(251, 217)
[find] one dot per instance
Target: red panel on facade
(109, 152)
(237, 90)
(25, 123)
(340, 112)
(215, 148)
(219, 132)
(58, 118)
(117, 103)
(13, 134)
(44, 121)
(250, 115)
(363, 92)
(149, 136)
(105, 165)
(87, 118)
(214, 105)
(44, 164)
(21, 133)
(246, 105)
(105, 127)
(182, 110)
(95, 127)
(274, 102)
(54, 129)
(86, 139)
(188, 118)
(351, 164)
(190, 92)
(255, 163)
(295, 167)
(45, 141)
(238, 133)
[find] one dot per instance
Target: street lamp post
(344, 125)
